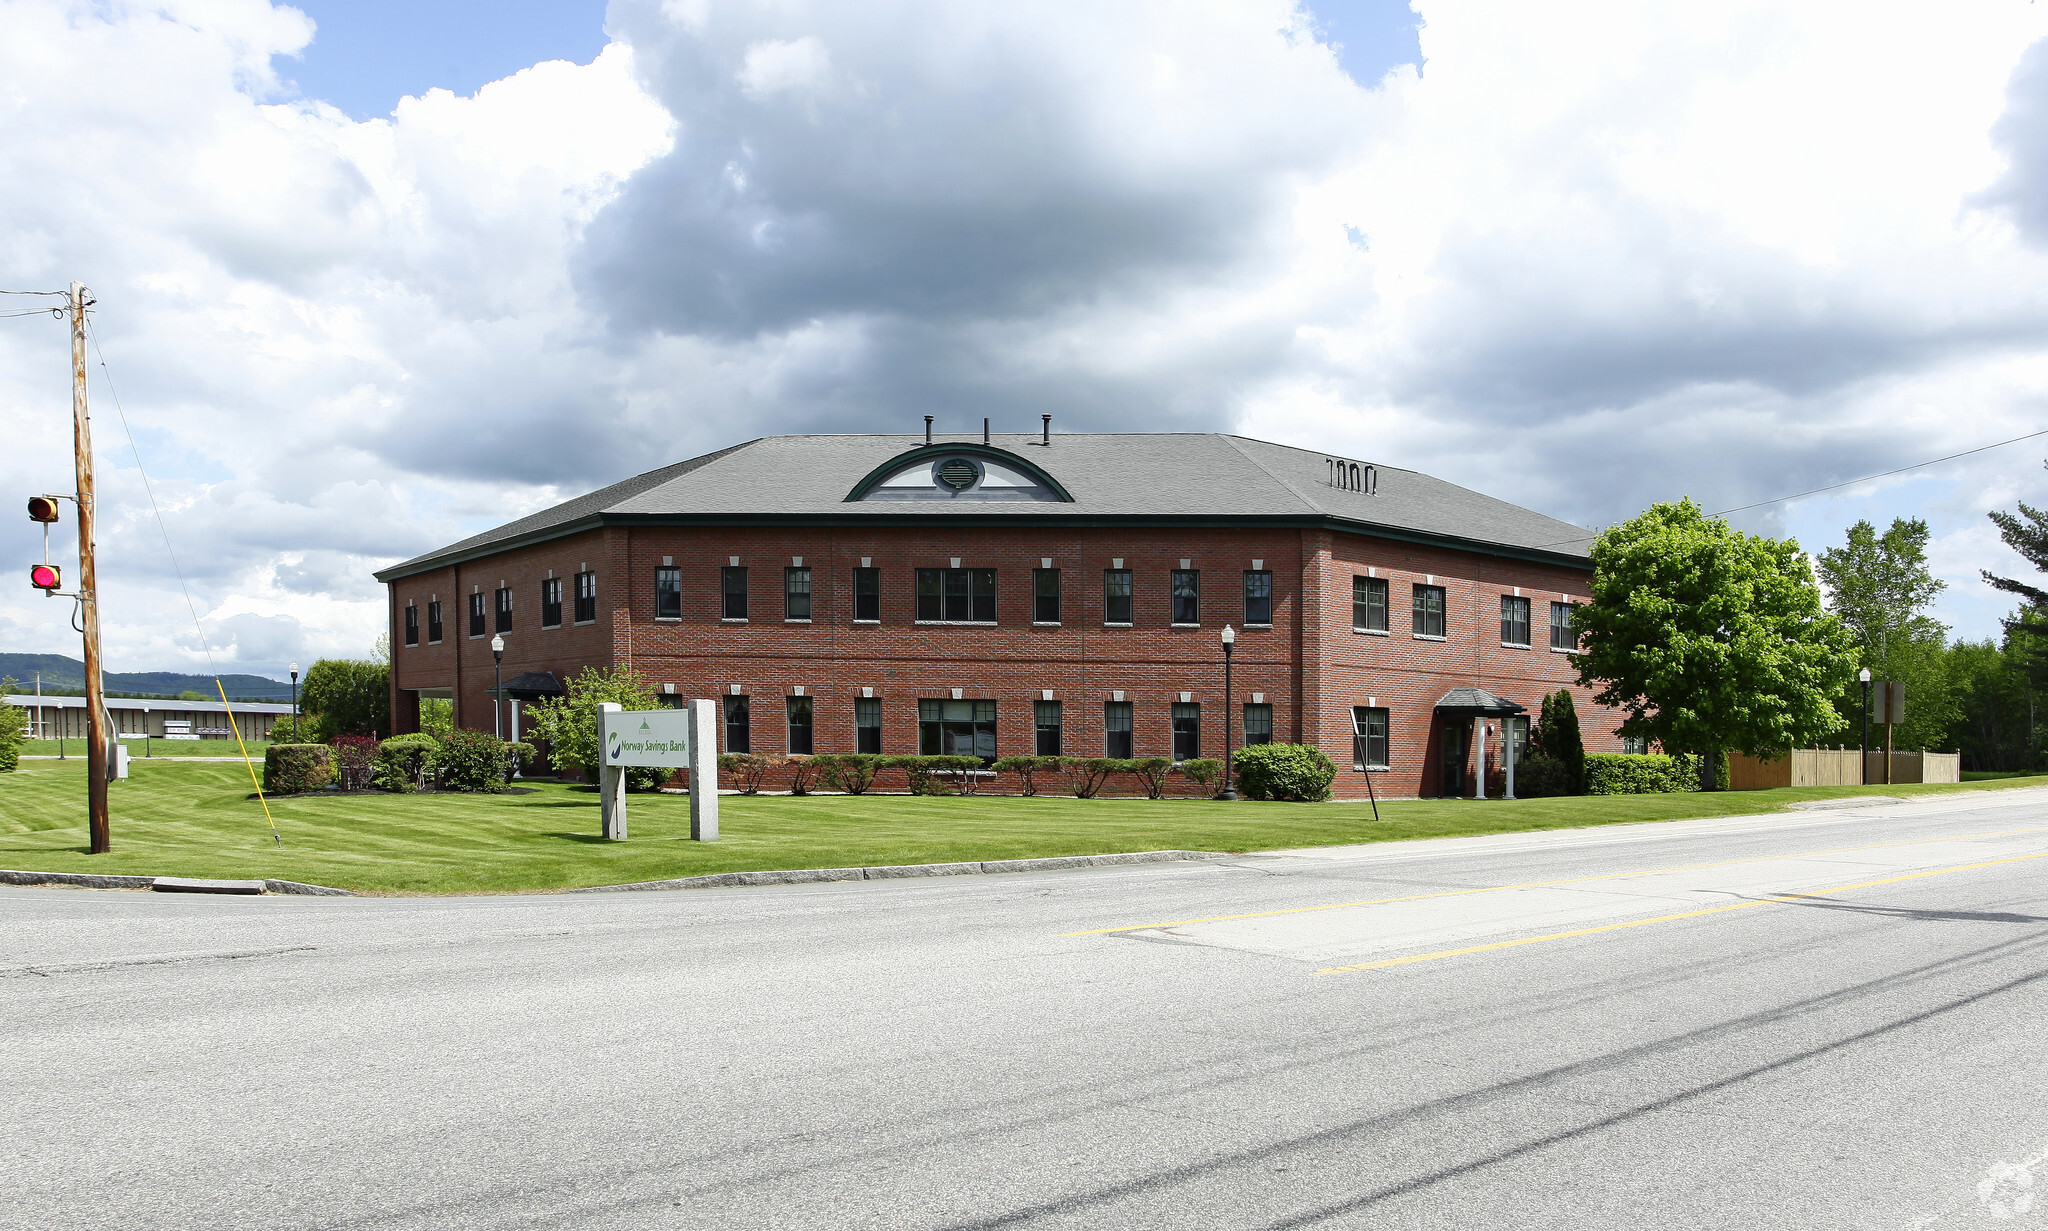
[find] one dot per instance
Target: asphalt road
(1626, 1027)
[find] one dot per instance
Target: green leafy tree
(1708, 639)
(569, 722)
(2027, 629)
(13, 728)
(437, 716)
(1995, 727)
(348, 697)
(1880, 587)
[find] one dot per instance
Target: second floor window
(739, 725)
(551, 603)
(1045, 596)
(796, 594)
(1046, 721)
(957, 595)
(1429, 611)
(1369, 604)
(1187, 596)
(1368, 737)
(867, 594)
(1258, 596)
(586, 597)
(434, 620)
(476, 614)
(1561, 635)
(412, 625)
(1116, 596)
(1514, 620)
(668, 593)
(799, 725)
(1116, 729)
(1187, 731)
(735, 583)
(504, 609)
(867, 725)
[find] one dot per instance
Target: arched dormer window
(959, 472)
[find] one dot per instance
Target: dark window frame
(1187, 730)
(412, 624)
(504, 609)
(867, 596)
(732, 598)
(434, 626)
(1371, 737)
(1510, 606)
(1119, 729)
(1563, 634)
(1258, 598)
(1369, 603)
(1045, 596)
(796, 585)
(477, 617)
(586, 597)
(940, 724)
(1047, 736)
(551, 602)
(1260, 732)
(668, 592)
(1113, 580)
(1185, 590)
(800, 725)
(1428, 606)
(867, 735)
(738, 712)
(955, 595)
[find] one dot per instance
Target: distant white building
(64, 717)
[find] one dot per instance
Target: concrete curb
(96, 880)
(807, 876)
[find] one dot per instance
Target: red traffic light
(45, 577)
(42, 508)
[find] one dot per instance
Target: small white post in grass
(704, 771)
(611, 779)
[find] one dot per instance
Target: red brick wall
(1309, 665)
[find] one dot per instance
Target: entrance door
(1453, 739)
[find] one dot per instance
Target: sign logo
(614, 746)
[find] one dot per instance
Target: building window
(1369, 604)
(1514, 620)
(1116, 729)
(1518, 738)
(476, 614)
(1258, 724)
(796, 594)
(1368, 738)
(504, 609)
(957, 728)
(1187, 731)
(738, 725)
(867, 594)
(1045, 596)
(1046, 719)
(586, 597)
(867, 725)
(1429, 611)
(1635, 744)
(551, 602)
(799, 709)
(412, 625)
(668, 594)
(1561, 635)
(1258, 596)
(735, 594)
(1187, 596)
(956, 595)
(434, 621)
(1116, 596)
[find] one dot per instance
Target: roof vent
(958, 473)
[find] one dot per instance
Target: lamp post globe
(1229, 791)
(294, 669)
(497, 683)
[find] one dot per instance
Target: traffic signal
(45, 577)
(42, 509)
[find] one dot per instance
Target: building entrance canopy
(1476, 703)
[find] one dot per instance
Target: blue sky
(368, 54)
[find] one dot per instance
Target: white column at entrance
(1511, 751)
(1479, 742)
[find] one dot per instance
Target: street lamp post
(1864, 675)
(295, 702)
(498, 684)
(1229, 643)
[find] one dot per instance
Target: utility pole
(88, 588)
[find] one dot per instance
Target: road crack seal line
(78, 968)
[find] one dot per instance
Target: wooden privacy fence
(1838, 767)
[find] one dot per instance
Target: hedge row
(856, 773)
(458, 761)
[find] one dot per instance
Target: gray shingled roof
(1478, 701)
(1112, 476)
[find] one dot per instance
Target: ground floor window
(1046, 718)
(1258, 725)
(738, 725)
(1116, 726)
(1369, 737)
(799, 710)
(957, 728)
(867, 725)
(1187, 731)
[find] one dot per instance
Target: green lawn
(157, 748)
(195, 819)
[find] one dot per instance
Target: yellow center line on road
(1690, 914)
(1573, 880)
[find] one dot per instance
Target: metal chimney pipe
(984, 429)
(927, 429)
(1048, 428)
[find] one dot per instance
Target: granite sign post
(663, 738)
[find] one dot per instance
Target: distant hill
(64, 674)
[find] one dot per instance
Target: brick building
(1051, 593)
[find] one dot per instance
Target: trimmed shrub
(1622, 773)
(355, 761)
(1538, 777)
(1203, 771)
(749, 768)
(801, 770)
(1086, 776)
(13, 729)
(1297, 773)
(1025, 768)
(959, 769)
(403, 762)
(852, 772)
(1152, 771)
(471, 761)
(294, 769)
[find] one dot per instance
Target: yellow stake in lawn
(246, 763)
